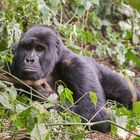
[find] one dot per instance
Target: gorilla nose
(30, 60)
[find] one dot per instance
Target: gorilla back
(40, 53)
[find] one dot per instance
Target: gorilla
(40, 54)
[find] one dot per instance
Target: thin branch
(72, 112)
(97, 112)
(124, 128)
(34, 95)
(93, 123)
(61, 11)
(60, 132)
(72, 17)
(78, 100)
(85, 124)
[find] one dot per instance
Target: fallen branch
(94, 123)
(6, 77)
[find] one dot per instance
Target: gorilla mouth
(28, 69)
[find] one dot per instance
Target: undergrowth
(95, 28)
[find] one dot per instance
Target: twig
(97, 112)
(72, 17)
(72, 112)
(60, 132)
(93, 123)
(85, 124)
(61, 11)
(124, 128)
(21, 90)
(78, 100)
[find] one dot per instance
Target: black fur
(80, 74)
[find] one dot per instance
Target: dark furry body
(80, 74)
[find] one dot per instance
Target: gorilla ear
(57, 44)
(14, 48)
(58, 47)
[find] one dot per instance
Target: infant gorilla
(41, 53)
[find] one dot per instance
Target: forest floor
(101, 136)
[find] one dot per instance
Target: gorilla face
(37, 53)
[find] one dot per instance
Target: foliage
(135, 4)
(88, 27)
(93, 98)
(65, 94)
(132, 116)
(36, 118)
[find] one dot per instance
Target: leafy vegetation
(105, 29)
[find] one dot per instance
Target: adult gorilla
(40, 54)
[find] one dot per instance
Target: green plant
(105, 28)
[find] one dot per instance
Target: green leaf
(127, 34)
(137, 107)
(137, 138)
(61, 92)
(5, 101)
(40, 132)
(69, 96)
(93, 98)
(27, 118)
(2, 85)
(135, 4)
(95, 20)
(122, 112)
(7, 95)
(20, 107)
(54, 3)
(60, 89)
(76, 118)
(96, 2)
(80, 11)
(65, 93)
(13, 93)
(63, 98)
(2, 113)
(130, 55)
(45, 10)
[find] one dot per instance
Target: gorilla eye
(27, 47)
(39, 48)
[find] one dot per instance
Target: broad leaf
(130, 55)
(69, 96)
(40, 132)
(137, 107)
(93, 98)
